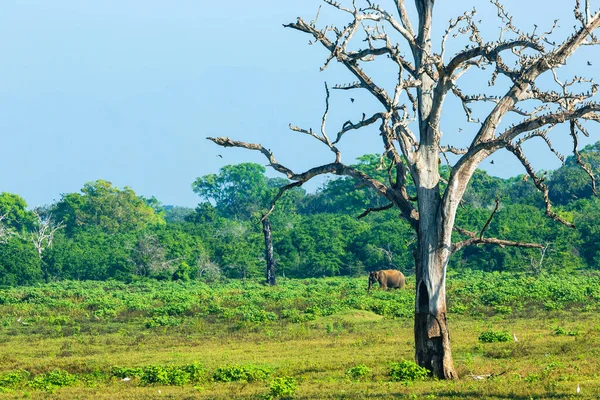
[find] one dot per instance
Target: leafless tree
(43, 235)
(269, 259)
(148, 257)
(521, 108)
(5, 231)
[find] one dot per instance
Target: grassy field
(317, 339)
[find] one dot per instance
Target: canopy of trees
(111, 233)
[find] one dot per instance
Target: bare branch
(474, 240)
(282, 190)
(538, 182)
(350, 63)
(375, 209)
(5, 231)
(583, 166)
(489, 219)
(336, 168)
(349, 126)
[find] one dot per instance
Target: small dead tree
(5, 231)
(521, 108)
(270, 275)
(43, 236)
(148, 257)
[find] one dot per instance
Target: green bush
(53, 380)
(162, 320)
(244, 373)
(407, 371)
(14, 380)
(284, 387)
(177, 375)
(560, 331)
(357, 372)
(494, 336)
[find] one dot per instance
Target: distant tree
(243, 192)
(571, 182)
(15, 216)
(107, 207)
(176, 214)
(237, 191)
(19, 262)
(148, 257)
(409, 121)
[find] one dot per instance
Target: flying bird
(491, 162)
(218, 155)
(589, 63)
(351, 99)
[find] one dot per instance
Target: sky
(127, 91)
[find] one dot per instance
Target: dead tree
(43, 236)
(270, 275)
(410, 116)
(5, 231)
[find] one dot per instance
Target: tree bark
(269, 252)
(432, 339)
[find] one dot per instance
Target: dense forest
(105, 232)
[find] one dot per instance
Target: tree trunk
(269, 252)
(432, 338)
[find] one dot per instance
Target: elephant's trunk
(369, 288)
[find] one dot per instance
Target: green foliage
(238, 190)
(19, 262)
(242, 373)
(14, 380)
(111, 233)
(283, 387)
(53, 380)
(407, 371)
(358, 372)
(494, 336)
(176, 375)
(16, 216)
(560, 331)
(104, 206)
(571, 182)
(162, 320)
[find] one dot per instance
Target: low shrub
(177, 375)
(53, 380)
(244, 373)
(283, 387)
(494, 336)
(560, 331)
(407, 371)
(357, 372)
(162, 320)
(14, 379)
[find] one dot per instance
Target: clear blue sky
(128, 90)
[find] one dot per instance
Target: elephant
(387, 278)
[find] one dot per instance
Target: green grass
(241, 340)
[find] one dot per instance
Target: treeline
(105, 232)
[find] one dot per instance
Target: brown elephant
(387, 278)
